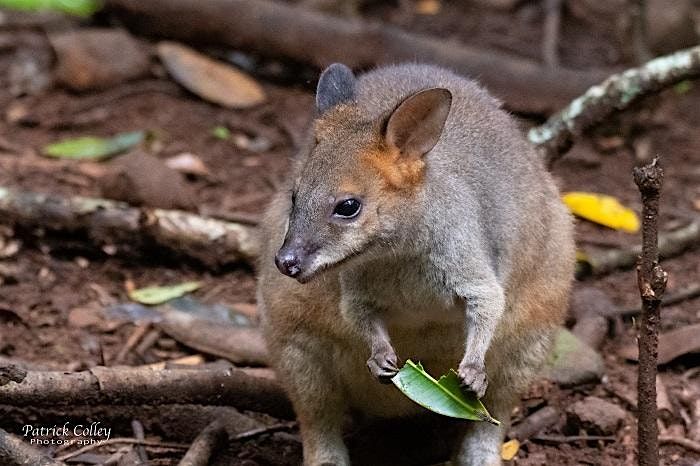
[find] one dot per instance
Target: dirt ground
(53, 277)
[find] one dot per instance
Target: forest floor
(52, 278)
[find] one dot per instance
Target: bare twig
(671, 244)
(144, 385)
(119, 441)
(133, 340)
(686, 443)
(552, 25)
(684, 294)
(534, 423)
(278, 29)
(652, 283)
(264, 430)
(573, 438)
(207, 442)
(139, 434)
(617, 92)
(13, 451)
(213, 242)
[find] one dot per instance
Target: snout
(288, 262)
(296, 259)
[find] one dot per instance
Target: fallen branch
(280, 30)
(139, 385)
(617, 92)
(688, 444)
(213, 242)
(211, 439)
(670, 244)
(13, 451)
(652, 283)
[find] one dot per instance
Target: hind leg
(511, 368)
(317, 400)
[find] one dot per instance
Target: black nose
(288, 263)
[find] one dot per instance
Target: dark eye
(347, 208)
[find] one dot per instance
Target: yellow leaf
(602, 209)
(510, 449)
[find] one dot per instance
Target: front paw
(473, 378)
(383, 364)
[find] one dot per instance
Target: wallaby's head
(360, 176)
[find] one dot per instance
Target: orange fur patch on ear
(398, 172)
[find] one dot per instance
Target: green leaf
(82, 8)
(221, 132)
(443, 396)
(93, 148)
(160, 294)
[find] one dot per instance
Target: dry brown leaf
(210, 79)
(188, 163)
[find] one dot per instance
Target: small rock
(98, 58)
(595, 416)
(573, 362)
(144, 180)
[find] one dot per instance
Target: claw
(473, 378)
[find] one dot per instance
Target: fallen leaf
(160, 294)
(509, 449)
(602, 209)
(443, 396)
(212, 80)
(82, 8)
(672, 344)
(93, 148)
(188, 163)
(221, 132)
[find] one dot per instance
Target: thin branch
(688, 444)
(679, 296)
(671, 243)
(652, 283)
(119, 441)
(573, 438)
(211, 439)
(617, 92)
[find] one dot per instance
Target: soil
(51, 278)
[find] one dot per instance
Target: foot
(473, 378)
(383, 364)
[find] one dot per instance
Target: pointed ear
(336, 85)
(416, 125)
